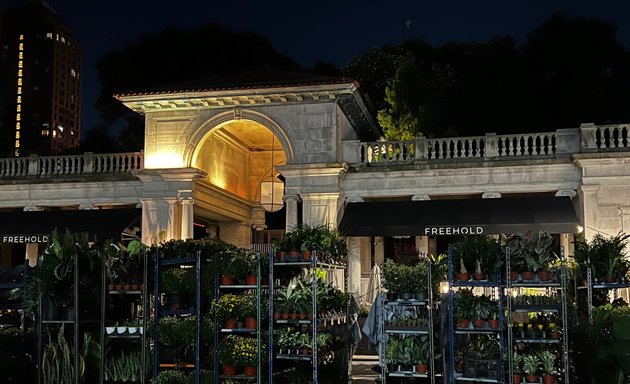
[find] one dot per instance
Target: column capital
(87, 206)
(354, 199)
(566, 192)
(33, 208)
(420, 197)
(491, 195)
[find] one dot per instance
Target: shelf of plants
(14, 335)
(537, 310)
(239, 310)
(123, 303)
(475, 325)
(309, 313)
(407, 328)
(176, 274)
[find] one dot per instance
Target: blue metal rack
(453, 332)
(157, 311)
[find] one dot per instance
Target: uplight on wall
(272, 188)
(161, 160)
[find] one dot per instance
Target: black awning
(459, 217)
(101, 224)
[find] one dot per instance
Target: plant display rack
(17, 281)
(313, 324)
(220, 331)
(115, 297)
(456, 336)
(393, 310)
(192, 260)
(554, 289)
(592, 285)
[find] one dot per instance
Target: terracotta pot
(462, 323)
(610, 279)
(479, 276)
(229, 370)
(250, 371)
(422, 368)
(554, 335)
(513, 276)
(549, 379)
(135, 287)
(293, 316)
(230, 323)
(493, 324)
(306, 255)
(293, 254)
(463, 276)
(227, 280)
(277, 315)
(479, 323)
(544, 275)
(280, 256)
(531, 378)
(529, 275)
(250, 280)
(250, 323)
(309, 316)
(118, 287)
(111, 287)
(301, 316)
(126, 287)
(285, 316)
(306, 352)
(517, 378)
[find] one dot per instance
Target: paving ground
(362, 372)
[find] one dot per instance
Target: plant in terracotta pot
(482, 306)
(517, 368)
(246, 354)
(606, 257)
(239, 266)
(227, 309)
(548, 362)
(531, 251)
(464, 307)
(530, 367)
(281, 248)
(392, 277)
(481, 253)
(421, 354)
(178, 284)
(227, 355)
(493, 319)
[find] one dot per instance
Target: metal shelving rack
(195, 261)
(590, 286)
(497, 291)
(8, 286)
(312, 264)
(217, 330)
(562, 286)
(385, 333)
(145, 301)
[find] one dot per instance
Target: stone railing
(85, 164)
(561, 143)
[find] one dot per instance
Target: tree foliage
(568, 71)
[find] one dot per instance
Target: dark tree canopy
(569, 71)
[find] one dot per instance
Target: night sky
(328, 30)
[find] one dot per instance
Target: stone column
(292, 211)
(354, 266)
(186, 202)
(588, 210)
(379, 250)
(158, 220)
(625, 219)
(422, 243)
(320, 208)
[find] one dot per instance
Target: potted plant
(421, 354)
(227, 309)
(464, 307)
(517, 369)
(172, 376)
(605, 256)
(238, 267)
(178, 284)
(530, 367)
(548, 362)
(479, 252)
(245, 354)
(531, 251)
(394, 347)
(493, 320)
(306, 343)
(482, 306)
(392, 277)
(227, 355)
(281, 248)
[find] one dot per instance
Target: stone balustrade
(71, 165)
(558, 144)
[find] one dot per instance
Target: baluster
(624, 135)
(616, 136)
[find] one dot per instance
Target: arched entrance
(236, 155)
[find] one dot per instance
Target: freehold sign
(24, 239)
(453, 230)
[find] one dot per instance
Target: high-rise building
(40, 82)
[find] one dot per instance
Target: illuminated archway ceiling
(237, 157)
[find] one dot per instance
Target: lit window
(17, 126)
(19, 99)
(19, 73)
(57, 36)
(17, 143)
(21, 37)
(17, 153)
(19, 107)
(63, 39)
(49, 35)
(19, 90)
(20, 64)
(73, 73)
(21, 56)
(44, 132)
(21, 46)
(18, 117)
(17, 134)
(19, 81)
(54, 133)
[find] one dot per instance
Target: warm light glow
(444, 287)
(271, 194)
(160, 160)
(580, 229)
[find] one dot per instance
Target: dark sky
(328, 30)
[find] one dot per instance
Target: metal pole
(145, 314)
(76, 318)
(258, 320)
(103, 306)
(508, 268)
(198, 316)
(156, 312)
(430, 308)
(314, 307)
(271, 309)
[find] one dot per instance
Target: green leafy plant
(530, 251)
(58, 365)
(170, 377)
(480, 253)
(517, 363)
(548, 361)
(530, 364)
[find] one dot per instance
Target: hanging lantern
(272, 188)
(271, 194)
